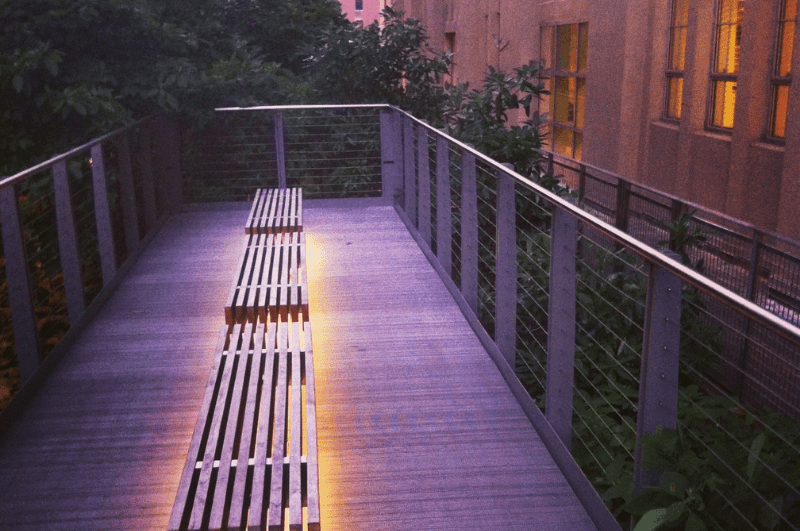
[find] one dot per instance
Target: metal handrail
(778, 325)
(33, 170)
(607, 176)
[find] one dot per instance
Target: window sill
(716, 135)
(667, 124)
(770, 146)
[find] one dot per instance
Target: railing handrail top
(695, 206)
(304, 107)
(784, 328)
(33, 170)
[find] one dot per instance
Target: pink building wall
(369, 14)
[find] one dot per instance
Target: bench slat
(295, 438)
(275, 514)
(252, 216)
(260, 479)
(246, 279)
(218, 504)
(291, 222)
(299, 225)
(261, 268)
(238, 502)
(182, 498)
(204, 481)
(283, 290)
(303, 276)
(230, 303)
(276, 218)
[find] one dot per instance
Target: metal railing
(621, 356)
(760, 266)
(331, 151)
(71, 226)
(628, 352)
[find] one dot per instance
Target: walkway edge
(598, 512)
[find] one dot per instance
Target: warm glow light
(328, 458)
(729, 32)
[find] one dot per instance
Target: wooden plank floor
(417, 430)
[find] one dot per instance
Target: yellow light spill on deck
(329, 465)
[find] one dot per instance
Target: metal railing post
(424, 198)
(505, 329)
(391, 155)
(127, 194)
(752, 281)
(68, 243)
(20, 294)
(561, 325)
(444, 216)
(148, 180)
(469, 231)
(623, 204)
(280, 148)
(409, 174)
(170, 138)
(102, 214)
(658, 378)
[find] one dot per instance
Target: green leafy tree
(73, 69)
(390, 64)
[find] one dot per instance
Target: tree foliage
(72, 69)
(390, 64)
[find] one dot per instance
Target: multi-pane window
(675, 61)
(564, 60)
(724, 72)
(781, 76)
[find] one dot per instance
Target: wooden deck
(417, 429)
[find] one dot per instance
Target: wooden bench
(259, 409)
(271, 279)
(252, 461)
(276, 210)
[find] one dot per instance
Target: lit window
(726, 62)
(564, 50)
(781, 77)
(675, 61)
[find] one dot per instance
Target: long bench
(270, 278)
(271, 428)
(259, 407)
(276, 210)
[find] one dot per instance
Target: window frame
(776, 79)
(673, 73)
(720, 77)
(554, 72)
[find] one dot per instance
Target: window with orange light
(675, 61)
(725, 70)
(564, 52)
(781, 75)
